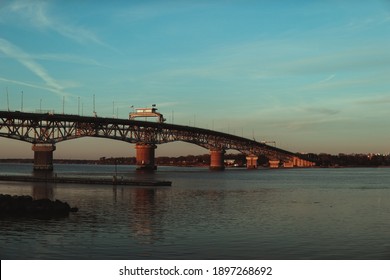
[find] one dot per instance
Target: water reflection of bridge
(45, 130)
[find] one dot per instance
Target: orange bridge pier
(217, 159)
(145, 155)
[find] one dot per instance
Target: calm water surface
(235, 214)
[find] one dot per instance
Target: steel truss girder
(51, 129)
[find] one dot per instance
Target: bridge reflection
(42, 191)
(144, 216)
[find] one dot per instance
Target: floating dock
(84, 180)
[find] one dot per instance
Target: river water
(341, 213)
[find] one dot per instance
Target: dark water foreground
(235, 214)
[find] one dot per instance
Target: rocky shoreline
(26, 206)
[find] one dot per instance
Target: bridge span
(44, 130)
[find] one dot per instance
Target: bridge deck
(49, 128)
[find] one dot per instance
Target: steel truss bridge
(47, 129)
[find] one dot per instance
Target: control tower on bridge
(147, 113)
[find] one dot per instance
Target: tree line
(321, 160)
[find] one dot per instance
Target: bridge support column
(251, 162)
(288, 164)
(298, 162)
(217, 159)
(145, 156)
(43, 156)
(274, 163)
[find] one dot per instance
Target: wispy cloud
(147, 10)
(381, 100)
(327, 79)
(26, 60)
(168, 104)
(68, 58)
(359, 24)
(304, 124)
(321, 111)
(22, 83)
(353, 59)
(38, 15)
(342, 86)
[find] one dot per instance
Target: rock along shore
(26, 206)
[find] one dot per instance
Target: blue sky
(313, 76)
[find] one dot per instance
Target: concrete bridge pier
(274, 163)
(288, 164)
(145, 156)
(217, 159)
(251, 161)
(43, 156)
(298, 162)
